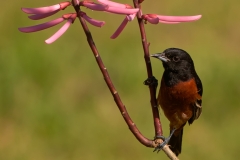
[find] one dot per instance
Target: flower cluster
(102, 5)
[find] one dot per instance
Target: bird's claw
(151, 81)
(160, 146)
(165, 141)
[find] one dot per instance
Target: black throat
(173, 77)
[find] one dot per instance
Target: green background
(54, 103)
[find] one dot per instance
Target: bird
(180, 94)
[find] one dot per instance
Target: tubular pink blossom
(112, 4)
(60, 32)
(41, 10)
(94, 6)
(120, 28)
(47, 9)
(41, 26)
(121, 10)
(41, 16)
(93, 21)
(179, 18)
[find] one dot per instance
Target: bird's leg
(165, 141)
(151, 81)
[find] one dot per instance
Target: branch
(152, 88)
(132, 126)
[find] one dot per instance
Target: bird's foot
(151, 81)
(165, 141)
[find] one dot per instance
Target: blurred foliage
(54, 103)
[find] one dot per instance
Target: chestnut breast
(177, 101)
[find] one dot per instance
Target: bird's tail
(175, 142)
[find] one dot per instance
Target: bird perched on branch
(179, 95)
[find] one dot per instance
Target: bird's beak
(161, 56)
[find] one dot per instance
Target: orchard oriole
(180, 94)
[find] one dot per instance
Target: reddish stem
(152, 89)
(133, 128)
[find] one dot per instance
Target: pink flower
(111, 7)
(42, 12)
(94, 6)
(92, 21)
(120, 28)
(62, 30)
(42, 26)
(69, 17)
(122, 10)
(179, 18)
(104, 5)
(155, 19)
(41, 16)
(123, 25)
(118, 8)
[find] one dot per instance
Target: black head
(178, 66)
(175, 59)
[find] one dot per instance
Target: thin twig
(152, 88)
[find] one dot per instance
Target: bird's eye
(176, 59)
